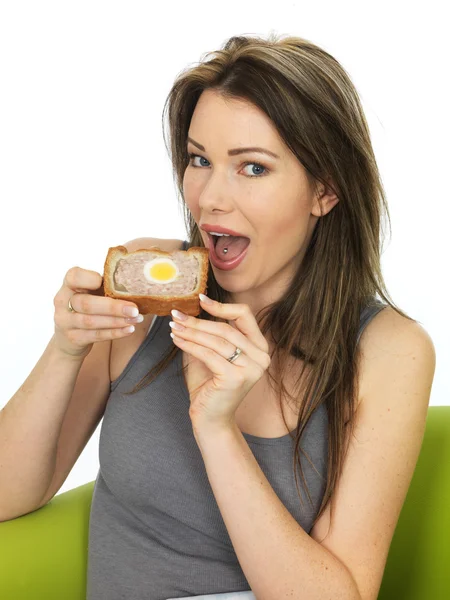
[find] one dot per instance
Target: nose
(216, 194)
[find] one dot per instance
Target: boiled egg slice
(160, 270)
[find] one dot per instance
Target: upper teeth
(214, 233)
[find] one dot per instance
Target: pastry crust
(158, 305)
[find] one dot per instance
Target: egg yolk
(162, 271)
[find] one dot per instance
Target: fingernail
(179, 315)
(137, 319)
(177, 326)
(205, 299)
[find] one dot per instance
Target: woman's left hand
(216, 386)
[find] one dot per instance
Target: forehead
(233, 122)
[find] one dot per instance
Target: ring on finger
(69, 305)
(231, 358)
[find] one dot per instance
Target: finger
(242, 317)
(93, 305)
(222, 338)
(230, 373)
(77, 278)
(83, 288)
(85, 321)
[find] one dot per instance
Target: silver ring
(234, 356)
(70, 307)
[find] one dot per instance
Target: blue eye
(266, 171)
(257, 166)
(192, 156)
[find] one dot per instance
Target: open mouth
(213, 239)
(228, 248)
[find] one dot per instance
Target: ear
(325, 199)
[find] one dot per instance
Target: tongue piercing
(225, 250)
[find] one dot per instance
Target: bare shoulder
(390, 337)
(144, 243)
(398, 362)
(389, 331)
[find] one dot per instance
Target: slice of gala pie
(157, 281)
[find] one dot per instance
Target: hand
(216, 386)
(96, 318)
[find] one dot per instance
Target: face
(269, 199)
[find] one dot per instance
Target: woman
(302, 351)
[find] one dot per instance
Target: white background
(83, 164)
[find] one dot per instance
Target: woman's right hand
(96, 318)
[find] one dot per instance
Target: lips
(219, 229)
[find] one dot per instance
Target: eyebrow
(236, 151)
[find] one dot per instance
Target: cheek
(285, 221)
(276, 213)
(191, 193)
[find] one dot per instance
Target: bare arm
(74, 366)
(30, 424)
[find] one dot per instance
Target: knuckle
(210, 353)
(260, 373)
(191, 322)
(115, 307)
(225, 344)
(98, 334)
(85, 302)
(71, 276)
(59, 300)
(57, 318)
(87, 321)
(98, 279)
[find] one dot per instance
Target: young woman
(269, 445)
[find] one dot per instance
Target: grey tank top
(155, 529)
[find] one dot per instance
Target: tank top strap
(368, 313)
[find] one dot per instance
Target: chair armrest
(418, 562)
(43, 554)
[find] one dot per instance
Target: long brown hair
(316, 109)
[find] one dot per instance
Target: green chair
(43, 554)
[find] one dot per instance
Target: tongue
(234, 245)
